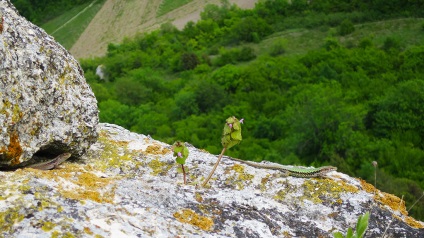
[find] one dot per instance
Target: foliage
(189, 61)
(346, 27)
(338, 105)
(232, 132)
(361, 227)
(181, 153)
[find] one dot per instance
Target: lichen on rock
(121, 187)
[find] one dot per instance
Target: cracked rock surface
(46, 106)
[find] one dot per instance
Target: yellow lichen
(156, 150)
(91, 187)
(198, 197)
(239, 178)
(86, 185)
(159, 167)
(14, 149)
(281, 195)
(191, 217)
(413, 223)
(264, 181)
(48, 226)
(387, 199)
(314, 190)
(9, 218)
(59, 209)
(88, 231)
(55, 234)
(68, 235)
(394, 202)
(17, 114)
(113, 154)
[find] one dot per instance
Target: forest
(344, 103)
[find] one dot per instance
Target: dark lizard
(45, 165)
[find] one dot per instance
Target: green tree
(319, 123)
(186, 105)
(401, 111)
(250, 29)
(131, 92)
(210, 96)
(113, 111)
(189, 61)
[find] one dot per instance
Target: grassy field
(67, 28)
(169, 5)
(406, 32)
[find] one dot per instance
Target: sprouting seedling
(231, 136)
(181, 154)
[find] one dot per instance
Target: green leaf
(231, 135)
(227, 129)
(180, 160)
(236, 135)
(338, 235)
(362, 224)
(179, 147)
(349, 233)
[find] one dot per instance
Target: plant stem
(214, 167)
(185, 181)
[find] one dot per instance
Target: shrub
(391, 44)
(246, 53)
(346, 27)
(189, 61)
(278, 48)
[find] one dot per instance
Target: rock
(129, 185)
(46, 106)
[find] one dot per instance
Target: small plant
(231, 136)
(181, 154)
(361, 227)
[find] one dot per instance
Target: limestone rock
(46, 106)
(129, 185)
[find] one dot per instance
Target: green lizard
(291, 171)
(45, 165)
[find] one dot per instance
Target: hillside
(118, 19)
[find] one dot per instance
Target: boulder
(46, 106)
(129, 185)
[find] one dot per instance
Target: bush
(278, 48)
(189, 61)
(391, 44)
(246, 53)
(346, 27)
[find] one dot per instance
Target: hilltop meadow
(330, 82)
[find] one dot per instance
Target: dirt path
(118, 19)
